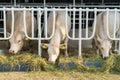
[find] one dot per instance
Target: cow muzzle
(51, 62)
(12, 51)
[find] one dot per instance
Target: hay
(112, 64)
(116, 64)
(32, 62)
(68, 63)
(75, 63)
(3, 59)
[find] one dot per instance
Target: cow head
(104, 46)
(53, 51)
(16, 42)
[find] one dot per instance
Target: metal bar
(45, 21)
(32, 22)
(54, 19)
(73, 30)
(39, 32)
(70, 11)
(87, 23)
(60, 9)
(80, 33)
(73, 3)
(66, 26)
(119, 45)
(13, 21)
(115, 24)
(4, 13)
(107, 22)
(14, 2)
(44, 3)
(24, 20)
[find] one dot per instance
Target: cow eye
(19, 41)
(102, 48)
(99, 43)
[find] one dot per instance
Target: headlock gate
(80, 16)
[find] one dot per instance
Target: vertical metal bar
(119, 36)
(39, 32)
(107, 22)
(115, 25)
(14, 2)
(73, 33)
(80, 14)
(102, 2)
(66, 26)
(44, 3)
(32, 23)
(12, 31)
(87, 23)
(119, 45)
(116, 42)
(94, 25)
(73, 3)
(70, 11)
(45, 21)
(81, 2)
(4, 13)
(53, 28)
(0, 15)
(54, 19)
(24, 19)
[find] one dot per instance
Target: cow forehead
(106, 43)
(16, 36)
(53, 49)
(19, 37)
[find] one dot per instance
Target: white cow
(103, 44)
(17, 40)
(59, 34)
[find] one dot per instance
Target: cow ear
(63, 46)
(44, 45)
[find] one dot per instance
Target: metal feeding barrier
(83, 15)
(116, 28)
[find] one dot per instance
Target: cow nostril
(105, 58)
(11, 51)
(51, 62)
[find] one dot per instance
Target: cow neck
(20, 23)
(103, 33)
